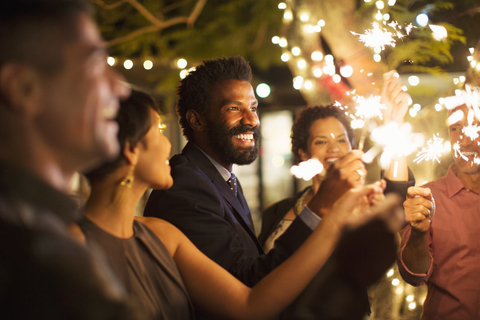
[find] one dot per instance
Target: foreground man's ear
(20, 89)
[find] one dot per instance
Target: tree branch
(109, 6)
(157, 24)
(174, 5)
(131, 35)
(144, 12)
(196, 12)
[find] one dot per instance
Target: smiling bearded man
(218, 114)
(221, 138)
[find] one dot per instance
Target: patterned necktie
(232, 182)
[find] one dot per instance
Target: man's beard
(221, 139)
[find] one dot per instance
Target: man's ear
(20, 88)
(131, 153)
(303, 155)
(195, 120)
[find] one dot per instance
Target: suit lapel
(239, 205)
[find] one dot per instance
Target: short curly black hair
(194, 91)
(304, 120)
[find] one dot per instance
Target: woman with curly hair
(324, 133)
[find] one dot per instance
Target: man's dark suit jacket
(203, 207)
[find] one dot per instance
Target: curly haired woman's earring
(128, 181)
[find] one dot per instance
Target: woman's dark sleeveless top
(147, 270)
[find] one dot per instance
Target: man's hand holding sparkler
(419, 208)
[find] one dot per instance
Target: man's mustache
(244, 129)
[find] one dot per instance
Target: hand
(348, 171)
(394, 98)
(345, 173)
(352, 211)
(419, 208)
(377, 198)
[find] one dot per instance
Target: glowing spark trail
(378, 38)
(433, 151)
(306, 170)
(370, 107)
(471, 130)
(395, 142)
(456, 148)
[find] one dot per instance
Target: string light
(317, 56)
(181, 63)
(413, 81)
(380, 5)
(282, 5)
(346, 71)
(301, 63)
(183, 74)
(276, 40)
(439, 32)
(288, 15)
(317, 72)
(111, 61)
(296, 51)
(148, 65)
(128, 64)
(285, 57)
(304, 17)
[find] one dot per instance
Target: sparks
(369, 108)
(306, 170)
(471, 130)
(433, 151)
(395, 142)
(470, 97)
(378, 38)
(458, 153)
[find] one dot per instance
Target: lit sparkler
(458, 153)
(306, 170)
(471, 130)
(377, 38)
(433, 151)
(367, 109)
(370, 107)
(393, 141)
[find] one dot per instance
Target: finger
(351, 156)
(417, 213)
(418, 201)
(355, 170)
(388, 211)
(419, 191)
